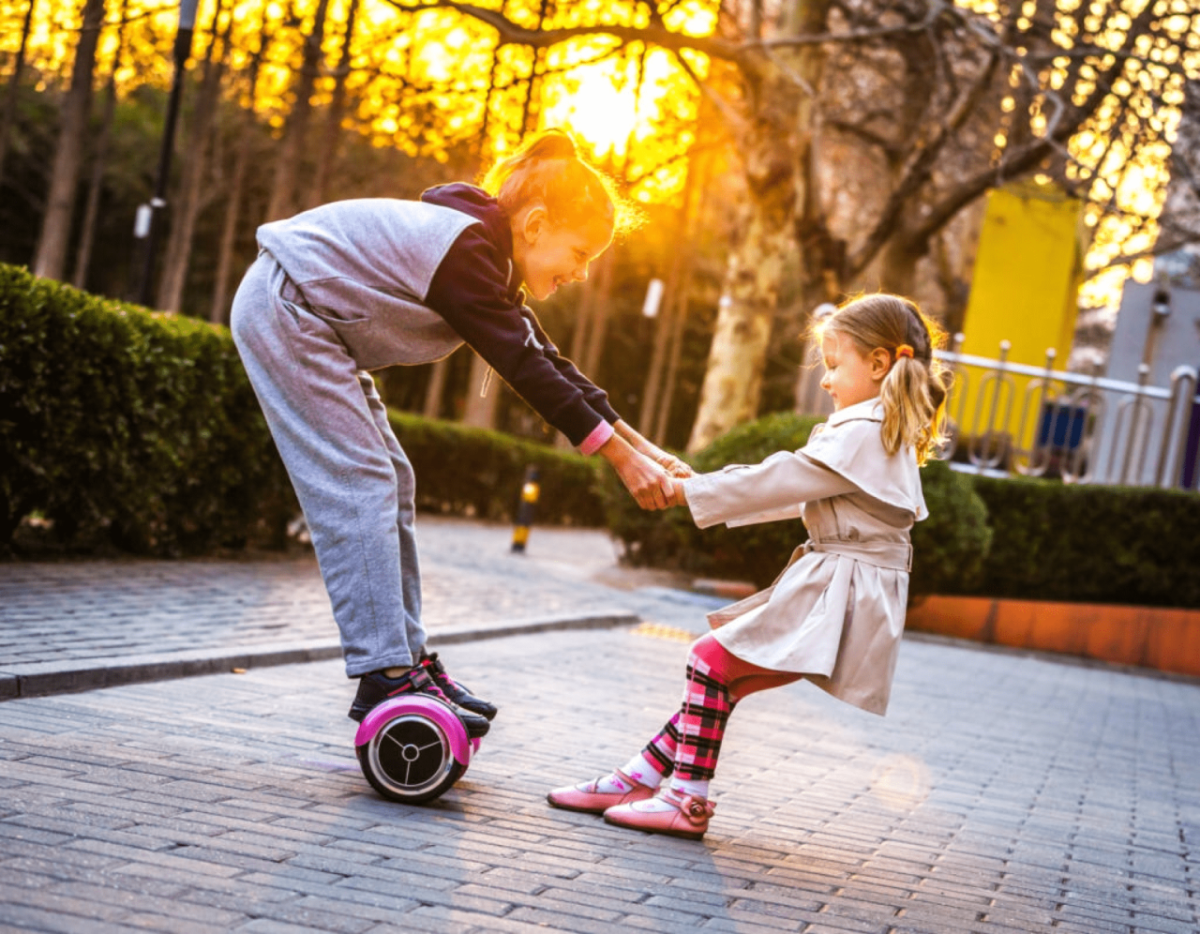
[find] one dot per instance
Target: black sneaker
(376, 687)
(453, 690)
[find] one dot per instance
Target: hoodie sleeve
(596, 397)
(471, 291)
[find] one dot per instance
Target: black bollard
(526, 509)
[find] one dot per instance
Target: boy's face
(547, 255)
(850, 375)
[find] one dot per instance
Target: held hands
(674, 466)
(653, 477)
(650, 483)
(653, 487)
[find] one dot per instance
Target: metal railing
(1084, 429)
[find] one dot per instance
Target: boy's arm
(669, 462)
(470, 291)
(646, 481)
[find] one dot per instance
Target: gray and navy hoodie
(408, 282)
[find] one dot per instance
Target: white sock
(611, 784)
(641, 770)
(680, 786)
(686, 786)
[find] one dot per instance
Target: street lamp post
(147, 225)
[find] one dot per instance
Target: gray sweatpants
(352, 478)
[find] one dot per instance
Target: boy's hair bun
(548, 167)
(553, 143)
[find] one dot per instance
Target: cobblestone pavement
(67, 625)
(1002, 794)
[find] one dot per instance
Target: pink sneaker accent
(688, 819)
(588, 799)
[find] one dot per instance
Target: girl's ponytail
(914, 402)
(913, 393)
(549, 168)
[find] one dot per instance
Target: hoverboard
(413, 748)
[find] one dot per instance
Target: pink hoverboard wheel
(412, 749)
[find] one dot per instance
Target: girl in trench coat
(836, 614)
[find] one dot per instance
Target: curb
(40, 679)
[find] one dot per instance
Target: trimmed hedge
(139, 431)
(128, 428)
(465, 471)
(1090, 544)
(949, 548)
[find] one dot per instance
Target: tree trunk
(83, 256)
(337, 109)
(219, 311)
(284, 201)
(579, 339)
(480, 409)
(14, 86)
(663, 325)
(898, 271)
(678, 327)
(51, 258)
(436, 389)
(777, 157)
(599, 322)
(183, 225)
(733, 379)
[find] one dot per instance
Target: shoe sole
(577, 810)
(665, 832)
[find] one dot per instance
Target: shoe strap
(697, 810)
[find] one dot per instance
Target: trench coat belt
(881, 554)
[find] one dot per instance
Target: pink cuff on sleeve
(592, 443)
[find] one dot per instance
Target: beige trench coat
(836, 613)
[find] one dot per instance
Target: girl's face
(850, 375)
(548, 255)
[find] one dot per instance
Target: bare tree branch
(512, 33)
(920, 164)
(1030, 155)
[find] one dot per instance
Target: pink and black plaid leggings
(716, 680)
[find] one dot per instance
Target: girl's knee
(708, 650)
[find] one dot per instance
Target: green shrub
(954, 540)
(140, 431)
(128, 428)
(1091, 544)
(951, 547)
(473, 472)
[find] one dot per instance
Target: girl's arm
(779, 483)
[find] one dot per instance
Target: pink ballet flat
(688, 819)
(587, 798)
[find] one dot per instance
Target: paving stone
(1002, 793)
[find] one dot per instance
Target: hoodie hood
(476, 203)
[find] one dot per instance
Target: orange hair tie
(904, 350)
